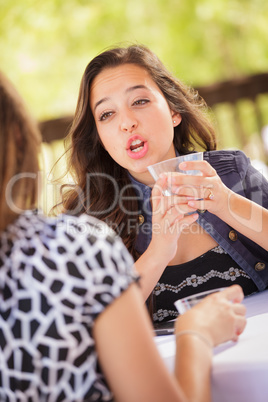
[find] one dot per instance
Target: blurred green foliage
(46, 45)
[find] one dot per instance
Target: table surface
(239, 369)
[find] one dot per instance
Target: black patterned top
(213, 269)
(56, 277)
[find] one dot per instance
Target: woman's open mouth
(136, 147)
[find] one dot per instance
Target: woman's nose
(128, 123)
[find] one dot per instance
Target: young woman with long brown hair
(131, 113)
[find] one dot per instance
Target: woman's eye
(105, 115)
(141, 102)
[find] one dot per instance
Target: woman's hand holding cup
(219, 317)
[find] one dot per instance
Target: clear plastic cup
(172, 165)
(182, 305)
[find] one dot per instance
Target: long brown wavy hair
(20, 142)
(87, 158)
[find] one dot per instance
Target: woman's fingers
(187, 220)
(190, 191)
(240, 319)
(193, 185)
(220, 316)
(240, 326)
(182, 220)
(239, 309)
(176, 207)
(170, 212)
(199, 192)
(206, 192)
(165, 204)
(157, 192)
(233, 293)
(203, 166)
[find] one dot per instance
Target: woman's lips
(137, 147)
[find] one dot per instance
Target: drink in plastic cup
(172, 165)
(182, 305)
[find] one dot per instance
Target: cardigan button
(201, 211)
(260, 266)
(141, 219)
(232, 235)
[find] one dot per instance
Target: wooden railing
(235, 94)
(55, 129)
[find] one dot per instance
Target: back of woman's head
(19, 145)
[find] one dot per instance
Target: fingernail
(183, 165)
(191, 203)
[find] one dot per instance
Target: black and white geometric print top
(56, 276)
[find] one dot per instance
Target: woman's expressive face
(133, 119)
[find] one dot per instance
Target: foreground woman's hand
(220, 317)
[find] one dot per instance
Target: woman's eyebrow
(136, 87)
(99, 102)
(130, 89)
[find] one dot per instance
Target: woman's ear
(176, 119)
